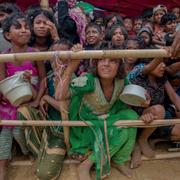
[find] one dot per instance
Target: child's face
(107, 68)
(39, 26)
(176, 11)
(3, 16)
(131, 45)
(128, 24)
(118, 37)
(159, 70)
(158, 15)
(145, 37)
(93, 36)
(20, 33)
(137, 25)
(170, 26)
(111, 22)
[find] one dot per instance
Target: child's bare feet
(136, 157)
(123, 169)
(84, 170)
(145, 148)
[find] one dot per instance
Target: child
(6, 9)
(44, 33)
(117, 34)
(44, 29)
(17, 31)
(168, 21)
(49, 144)
(93, 38)
(95, 98)
(137, 24)
(158, 12)
(128, 24)
(156, 85)
(146, 34)
(113, 19)
(176, 11)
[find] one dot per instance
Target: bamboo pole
(85, 54)
(64, 116)
(44, 4)
(120, 123)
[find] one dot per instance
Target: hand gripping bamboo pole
(120, 123)
(85, 54)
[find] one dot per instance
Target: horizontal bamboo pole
(85, 54)
(120, 123)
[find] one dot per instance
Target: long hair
(108, 46)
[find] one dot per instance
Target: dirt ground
(149, 170)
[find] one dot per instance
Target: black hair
(98, 15)
(118, 17)
(139, 40)
(31, 18)
(167, 17)
(109, 33)
(108, 46)
(12, 20)
(147, 13)
(93, 25)
(62, 41)
(9, 8)
(127, 17)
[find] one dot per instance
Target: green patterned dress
(100, 142)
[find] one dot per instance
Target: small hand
(43, 105)
(53, 30)
(27, 76)
(146, 103)
(148, 118)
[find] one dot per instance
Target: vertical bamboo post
(44, 4)
(64, 115)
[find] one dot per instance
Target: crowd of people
(88, 90)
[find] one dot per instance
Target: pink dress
(7, 110)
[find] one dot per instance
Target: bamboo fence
(85, 54)
(120, 123)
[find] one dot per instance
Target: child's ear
(7, 36)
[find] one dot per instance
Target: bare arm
(176, 44)
(150, 66)
(62, 90)
(173, 68)
(2, 71)
(51, 101)
(175, 99)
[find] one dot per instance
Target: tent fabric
(124, 7)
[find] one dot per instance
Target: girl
(156, 85)
(113, 19)
(17, 31)
(95, 98)
(117, 34)
(158, 12)
(44, 29)
(47, 144)
(128, 24)
(44, 33)
(93, 35)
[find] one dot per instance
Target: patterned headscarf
(79, 17)
(159, 8)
